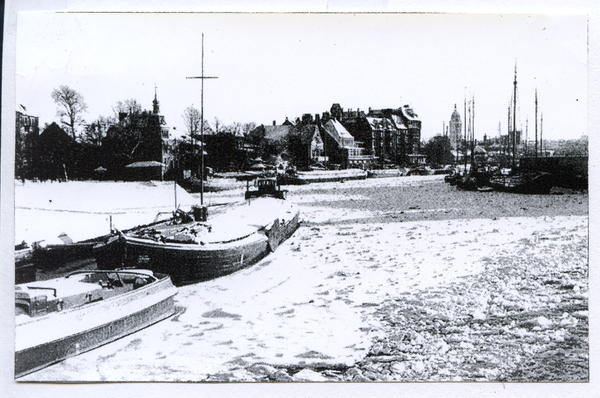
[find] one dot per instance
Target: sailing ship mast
(465, 152)
(500, 132)
(473, 133)
(536, 119)
(202, 77)
(526, 133)
(469, 139)
(508, 142)
(542, 134)
(514, 125)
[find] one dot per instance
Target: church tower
(155, 108)
(455, 128)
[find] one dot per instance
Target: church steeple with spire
(155, 108)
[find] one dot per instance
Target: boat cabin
(77, 289)
(266, 186)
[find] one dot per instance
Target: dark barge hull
(188, 263)
(538, 183)
(55, 256)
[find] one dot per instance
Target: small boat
(526, 183)
(453, 178)
(266, 186)
(476, 180)
(194, 185)
(192, 251)
(316, 176)
(63, 317)
(290, 178)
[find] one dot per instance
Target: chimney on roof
(274, 123)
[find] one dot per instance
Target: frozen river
(313, 303)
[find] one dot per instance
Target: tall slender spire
(155, 108)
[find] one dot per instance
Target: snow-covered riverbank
(83, 210)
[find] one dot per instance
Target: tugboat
(266, 186)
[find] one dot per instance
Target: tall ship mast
(202, 77)
(514, 123)
(536, 124)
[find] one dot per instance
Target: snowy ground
(379, 292)
(83, 209)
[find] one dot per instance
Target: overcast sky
(273, 66)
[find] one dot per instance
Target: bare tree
(96, 131)
(235, 128)
(248, 127)
(130, 107)
(191, 118)
(71, 105)
(207, 129)
(218, 124)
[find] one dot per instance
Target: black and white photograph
(300, 198)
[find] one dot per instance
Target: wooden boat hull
(43, 341)
(54, 256)
(332, 176)
(193, 185)
(187, 263)
(539, 183)
(49, 258)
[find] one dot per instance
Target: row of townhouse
(349, 139)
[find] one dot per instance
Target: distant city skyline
(273, 66)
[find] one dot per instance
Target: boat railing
(118, 272)
(43, 288)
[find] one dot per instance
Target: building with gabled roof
(341, 147)
(339, 133)
(278, 135)
(302, 143)
(403, 145)
(389, 136)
